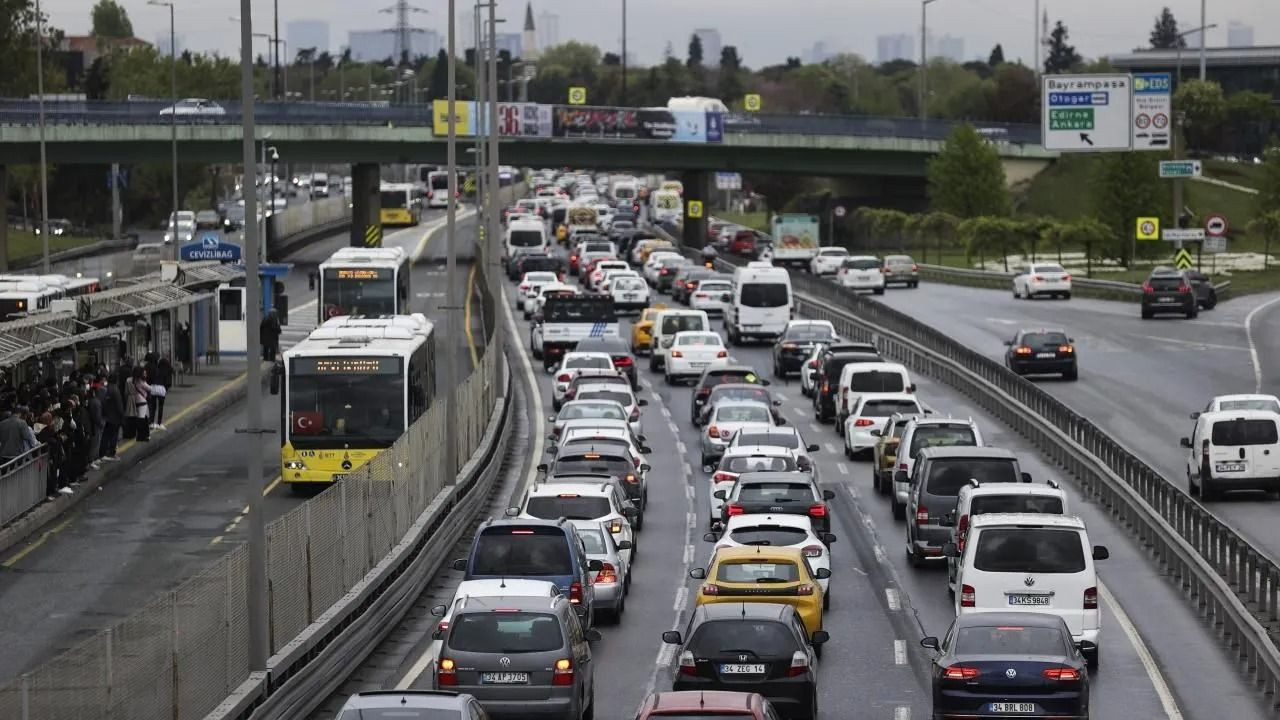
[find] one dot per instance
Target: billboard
(532, 120)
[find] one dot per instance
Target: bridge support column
(4, 218)
(366, 226)
(697, 189)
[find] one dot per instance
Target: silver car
(612, 582)
(411, 704)
(726, 419)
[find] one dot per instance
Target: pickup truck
(567, 319)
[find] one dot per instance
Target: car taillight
(1091, 598)
(799, 664)
(804, 590)
(524, 287)
(902, 466)
(886, 271)
(563, 674)
(863, 422)
(813, 364)
(922, 515)
(445, 672)
(575, 593)
(818, 510)
(688, 666)
(622, 361)
(1062, 674)
(1147, 289)
(722, 354)
(1066, 349)
(631, 478)
(915, 268)
(430, 194)
(635, 414)
(960, 672)
(664, 271)
(677, 354)
(721, 477)
(608, 575)
(812, 551)
(570, 394)
(615, 526)
(735, 510)
(703, 392)
(1066, 277)
(713, 432)
(709, 589)
(1037, 278)
(962, 531)
(1184, 288)
(968, 598)
(1024, 350)
(826, 387)
(563, 377)
(442, 626)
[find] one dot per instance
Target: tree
(997, 56)
(1249, 116)
(729, 84)
(1062, 58)
(439, 87)
(1266, 226)
(729, 59)
(967, 179)
(942, 226)
(110, 20)
(695, 52)
(1268, 198)
(1014, 95)
(1204, 107)
(1084, 232)
(989, 234)
(1124, 187)
(611, 59)
(1164, 36)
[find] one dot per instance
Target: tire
(1193, 313)
(556, 405)
(898, 511)
(653, 362)
(877, 482)
(1066, 296)
(913, 284)
(1072, 374)
(878, 291)
(847, 451)
(913, 557)
(1192, 487)
(666, 376)
(1016, 294)
(589, 712)
(1212, 301)
(1093, 658)
(1147, 314)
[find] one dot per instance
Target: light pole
(451, 251)
(924, 59)
(173, 117)
(1178, 118)
(623, 98)
(1203, 43)
(44, 166)
(491, 234)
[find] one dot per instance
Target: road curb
(27, 526)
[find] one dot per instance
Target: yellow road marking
(216, 540)
(272, 486)
(44, 537)
(466, 317)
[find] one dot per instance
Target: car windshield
(1020, 503)
(758, 572)
(622, 398)
(899, 260)
(776, 535)
(940, 436)
(714, 286)
(1029, 550)
(519, 552)
(587, 361)
(1165, 282)
(505, 632)
(571, 506)
(809, 333)
(1010, 641)
(672, 324)
(540, 277)
(593, 540)
(593, 464)
(760, 638)
(948, 475)
(776, 492)
(876, 381)
(592, 411)
(744, 464)
(861, 264)
(1045, 339)
(346, 401)
(524, 238)
(765, 295)
(1245, 432)
(1053, 269)
(743, 414)
(746, 392)
(628, 283)
(700, 339)
(1250, 404)
(782, 440)
(885, 408)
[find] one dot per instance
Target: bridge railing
(22, 483)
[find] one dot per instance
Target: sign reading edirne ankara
(1086, 113)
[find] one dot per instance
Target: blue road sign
(210, 246)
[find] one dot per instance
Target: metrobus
(25, 294)
(364, 281)
(349, 391)
(399, 204)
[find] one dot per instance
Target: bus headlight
(294, 465)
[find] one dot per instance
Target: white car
(611, 275)
(709, 296)
(998, 497)
(571, 366)
(693, 351)
(653, 266)
(612, 432)
(629, 292)
(193, 107)
(601, 269)
(828, 260)
(621, 394)
(1034, 279)
(862, 272)
(726, 420)
(795, 531)
(588, 411)
(1241, 402)
(599, 501)
(868, 417)
(529, 287)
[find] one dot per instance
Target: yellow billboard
(462, 118)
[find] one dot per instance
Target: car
(691, 352)
(489, 588)
(602, 434)
(692, 703)
(573, 365)
(642, 329)
(869, 416)
(600, 268)
(744, 243)
(884, 453)
(726, 419)
(668, 268)
(535, 260)
(613, 580)
(1041, 279)
(994, 664)
(687, 279)
(1233, 450)
(789, 492)
(809, 371)
(827, 381)
(500, 649)
(763, 647)
(1247, 401)
(710, 295)
(1039, 352)
(901, 270)
(862, 272)
(513, 273)
(740, 575)
(778, 530)
(621, 394)
(600, 462)
(603, 502)
(665, 327)
(193, 107)
(711, 377)
(529, 287)
(920, 433)
(976, 498)
(1052, 552)
(857, 379)
(828, 260)
(797, 342)
(654, 264)
(744, 459)
(1206, 293)
(586, 410)
(938, 476)
(616, 349)
(147, 253)
(1169, 291)
(413, 704)
(782, 436)
(612, 275)
(599, 375)
(734, 390)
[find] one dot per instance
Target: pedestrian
(160, 379)
(47, 434)
(93, 404)
(12, 437)
(184, 345)
(139, 393)
(270, 335)
(113, 417)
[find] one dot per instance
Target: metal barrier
(22, 483)
(1085, 287)
(305, 216)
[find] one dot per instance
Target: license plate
(504, 678)
(630, 296)
(1048, 355)
(339, 476)
(1024, 600)
(698, 364)
(742, 669)
(1229, 467)
(750, 327)
(1166, 300)
(1011, 707)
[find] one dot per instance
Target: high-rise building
(817, 53)
(548, 29)
(901, 46)
(947, 46)
(163, 45)
(379, 45)
(1239, 34)
(711, 45)
(511, 42)
(307, 34)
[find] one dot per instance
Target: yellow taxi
(764, 574)
(649, 247)
(642, 329)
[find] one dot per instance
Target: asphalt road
(881, 607)
(178, 510)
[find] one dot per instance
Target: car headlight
(295, 465)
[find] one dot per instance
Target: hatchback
(758, 574)
(411, 704)
(1169, 291)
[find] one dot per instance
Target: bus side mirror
(276, 371)
(311, 281)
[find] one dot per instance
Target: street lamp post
(1203, 43)
(173, 117)
(44, 167)
(623, 98)
(924, 59)
(1179, 118)
(451, 252)
(491, 235)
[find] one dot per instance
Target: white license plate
(630, 296)
(1048, 355)
(1024, 600)
(1166, 300)
(1009, 707)
(339, 476)
(742, 669)
(697, 365)
(504, 678)
(1229, 467)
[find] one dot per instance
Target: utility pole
(924, 60)
(1203, 42)
(275, 45)
(44, 166)
(624, 53)
(116, 214)
(491, 235)
(451, 253)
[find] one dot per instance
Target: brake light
(1037, 278)
(968, 598)
(735, 510)
(635, 414)
(886, 271)
(812, 551)
(813, 364)
(1184, 288)
(826, 387)
(1091, 598)
(1147, 289)
(564, 377)
(622, 361)
(608, 575)
(922, 515)
(524, 287)
(664, 271)
(445, 672)
(915, 267)
(962, 531)
(721, 477)
(863, 422)
(713, 432)
(563, 674)
(1066, 349)
(688, 666)
(818, 510)
(960, 672)
(902, 466)
(575, 593)
(615, 527)
(722, 354)
(709, 589)
(1061, 674)
(1066, 277)
(1024, 350)
(677, 354)
(631, 478)
(788, 346)
(799, 664)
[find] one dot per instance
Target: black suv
(720, 376)
(828, 377)
(1169, 291)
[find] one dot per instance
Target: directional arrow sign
(1182, 259)
(1086, 112)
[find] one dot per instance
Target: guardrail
(1233, 585)
(1085, 287)
(22, 483)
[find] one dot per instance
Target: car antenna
(744, 611)
(502, 582)
(702, 700)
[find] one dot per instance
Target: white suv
(998, 497)
(600, 501)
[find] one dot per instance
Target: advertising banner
(532, 120)
(464, 122)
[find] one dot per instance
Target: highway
(1158, 661)
(181, 508)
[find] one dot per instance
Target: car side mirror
(551, 418)
(1008, 343)
(1086, 646)
(930, 642)
(460, 564)
(828, 538)
(551, 450)
(765, 382)
(439, 610)
(710, 537)
(645, 467)
(911, 388)
(625, 544)
(1026, 477)
(1195, 415)
(1100, 552)
(900, 476)
(311, 281)
(642, 402)
(513, 511)
(630, 512)
(542, 468)
(874, 433)
(1185, 442)
(828, 494)
(719, 495)
(951, 550)
(595, 565)
(819, 637)
(645, 449)
(781, 421)
(672, 637)
(813, 447)
(592, 635)
(698, 573)
(821, 574)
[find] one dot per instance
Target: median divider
(1083, 287)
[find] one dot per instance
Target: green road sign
(1071, 119)
(1182, 259)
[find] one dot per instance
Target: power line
(403, 30)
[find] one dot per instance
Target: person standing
(139, 395)
(113, 418)
(11, 437)
(97, 424)
(160, 379)
(47, 434)
(270, 332)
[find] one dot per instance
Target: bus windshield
(345, 401)
(395, 199)
(358, 291)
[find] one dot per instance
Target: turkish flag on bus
(307, 422)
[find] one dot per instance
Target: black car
(531, 262)
(1206, 293)
(1169, 291)
(618, 350)
(828, 376)
(782, 493)
(667, 270)
(687, 279)
(720, 376)
(750, 647)
(994, 664)
(1035, 352)
(513, 273)
(796, 344)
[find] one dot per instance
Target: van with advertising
(665, 206)
(761, 304)
(796, 238)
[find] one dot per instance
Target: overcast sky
(765, 32)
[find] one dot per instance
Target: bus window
(358, 291)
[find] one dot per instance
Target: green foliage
(966, 179)
(1062, 58)
(1013, 95)
(143, 71)
(1267, 227)
(1164, 36)
(1125, 186)
(695, 53)
(1204, 106)
(992, 235)
(110, 20)
(17, 51)
(1269, 187)
(997, 56)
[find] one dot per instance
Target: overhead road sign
(1214, 244)
(1183, 234)
(1216, 225)
(1151, 125)
(1182, 259)
(728, 181)
(1086, 113)
(1179, 168)
(1147, 228)
(752, 102)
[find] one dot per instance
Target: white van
(859, 378)
(319, 185)
(665, 326)
(1233, 450)
(761, 305)
(525, 233)
(998, 497)
(1032, 562)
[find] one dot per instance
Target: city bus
(349, 391)
(364, 281)
(25, 294)
(399, 205)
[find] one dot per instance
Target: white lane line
(1253, 348)
(902, 712)
(682, 599)
(666, 413)
(899, 652)
(880, 557)
(431, 229)
(831, 449)
(688, 489)
(666, 655)
(815, 426)
(891, 596)
(691, 520)
(680, 446)
(671, 425)
(797, 410)
(1191, 343)
(844, 469)
(1167, 701)
(688, 554)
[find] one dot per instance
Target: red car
(743, 243)
(712, 703)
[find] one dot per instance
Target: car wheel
(589, 712)
(875, 481)
(913, 284)
(653, 362)
(913, 557)
(898, 510)
(1211, 301)
(1193, 313)
(1147, 314)
(848, 452)
(556, 405)
(1092, 659)
(666, 376)
(1071, 374)
(1192, 487)
(817, 650)
(537, 354)
(1066, 296)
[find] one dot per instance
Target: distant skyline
(763, 33)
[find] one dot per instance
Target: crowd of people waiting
(81, 420)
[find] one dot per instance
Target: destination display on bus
(346, 366)
(358, 274)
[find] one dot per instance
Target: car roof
(739, 386)
(998, 519)
(509, 602)
(1220, 415)
(1009, 619)
(374, 699)
(922, 420)
(873, 367)
(799, 521)
(753, 477)
(731, 611)
(854, 355)
(1006, 488)
(761, 450)
(779, 430)
(742, 402)
(967, 451)
(491, 587)
(868, 397)
(587, 448)
(570, 488)
(685, 701)
(760, 552)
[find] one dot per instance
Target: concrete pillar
(697, 189)
(4, 218)
(366, 226)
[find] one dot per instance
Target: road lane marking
(902, 712)
(891, 596)
(682, 598)
(1253, 348)
(844, 469)
(44, 537)
(1190, 343)
(1167, 701)
(831, 448)
(431, 229)
(680, 446)
(899, 652)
